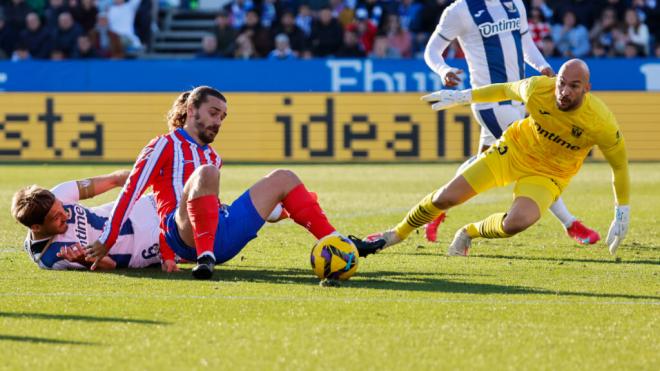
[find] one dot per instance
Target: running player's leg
(493, 121)
(197, 217)
(284, 186)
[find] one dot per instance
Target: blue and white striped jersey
(490, 34)
(137, 246)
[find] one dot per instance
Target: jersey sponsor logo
(555, 138)
(489, 29)
(576, 131)
(80, 224)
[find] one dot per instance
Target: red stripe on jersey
(146, 167)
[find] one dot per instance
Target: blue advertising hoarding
(321, 75)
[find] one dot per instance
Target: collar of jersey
(190, 139)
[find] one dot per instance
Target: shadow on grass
(611, 260)
(74, 317)
(380, 280)
(32, 339)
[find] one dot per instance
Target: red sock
(203, 215)
(305, 210)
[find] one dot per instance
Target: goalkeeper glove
(618, 228)
(445, 99)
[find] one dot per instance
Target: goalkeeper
(540, 153)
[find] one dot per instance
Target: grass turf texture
(535, 301)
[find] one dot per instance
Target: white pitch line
(326, 299)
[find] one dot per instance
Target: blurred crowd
(288, 29)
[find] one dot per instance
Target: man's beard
(202, 134)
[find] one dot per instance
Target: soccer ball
(334, 257)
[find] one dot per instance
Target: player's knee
(518, 223)
(205, 176)
(284, 177)
(444, 200)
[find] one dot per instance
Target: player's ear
(36, 228)
(587, 87)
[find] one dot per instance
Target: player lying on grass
(540, 153)
(59, 226)
(184, 172)
(496, 57)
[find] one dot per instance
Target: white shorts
(495, 118)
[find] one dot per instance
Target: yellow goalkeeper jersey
(555, 142)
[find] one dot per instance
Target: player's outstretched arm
(617, 157)
(444, 99)
(97, 185)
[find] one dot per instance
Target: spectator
(409, 15)
(364, 28)
(374, 9)
(620, 40)
(583, 11)
(57, 55)
(121, 19)
(85, 13)
(352, 48)
(538, 27)
(259, 35)
(16, 12)
(657, 50)
(21, 53)
(541, 5)
(209, 48)
(84, 48)
(598, 50)
(143, 24)
(429, 18)
(637, 32)
(572, 39)
(282, 49)
(268, 13)
(382, 49)
(603, 31)
(340, 11)
(289, 28)
(238, 10)
(35, 37)
(52, 13)
(225, 35)
(304, 19)
(106, 42)
(399, 39)
(548, 48)
(245, 48)
(8, 38)
(632, 50)
(66, 35)
(327, 34)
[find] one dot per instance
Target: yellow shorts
(498, 167)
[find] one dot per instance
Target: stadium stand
(247, 29)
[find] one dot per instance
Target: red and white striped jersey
(165, 164)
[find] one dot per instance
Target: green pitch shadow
(32, 339)
(74, 317)
(378, 280)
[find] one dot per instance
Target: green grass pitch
(535, 301)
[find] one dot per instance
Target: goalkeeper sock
(306, 211)
(491, 227)
(203, 215)
(423, 213)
